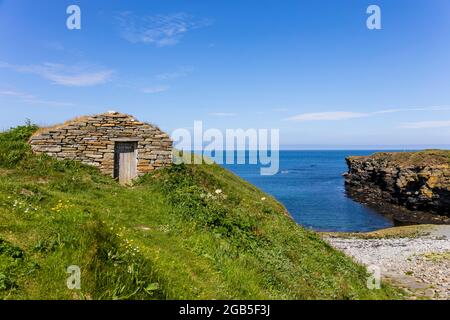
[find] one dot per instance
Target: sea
(311, 187)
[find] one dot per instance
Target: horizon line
(339, 148)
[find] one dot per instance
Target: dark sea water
(311, 186)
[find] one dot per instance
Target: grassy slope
(171, 236)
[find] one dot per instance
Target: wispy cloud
(178, 73)
(328, 116)
(159, 30)
(31, 99)
(426, 124)
(71, 76)
(54, 45)
(280, 109)
(223, 114)
(156, 89)
(14, 94)
(433, 108)
(346, 115)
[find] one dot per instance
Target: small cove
(311, 186)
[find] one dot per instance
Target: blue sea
(311, 186)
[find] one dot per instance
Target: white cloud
(51, 103)
(426, 124)
(157, 89)
(433, 108)
(178, 73)
(57, 46)
(280, 109)
(328, 116)
(346, 115)
(71, 76)
(159, 30)
(223, 114)
(15, 94)
(31, 99)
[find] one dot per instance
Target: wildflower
(263, 198)
(218, 191)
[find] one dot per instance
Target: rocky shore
(412, 187)
(415, 258)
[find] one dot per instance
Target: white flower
(218, 191)
(263, 198)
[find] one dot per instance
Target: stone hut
(118, 144)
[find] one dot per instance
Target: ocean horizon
(393, 148)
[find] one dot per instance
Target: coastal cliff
(416, 183)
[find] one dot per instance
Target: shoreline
(400, 215)
(414, 258)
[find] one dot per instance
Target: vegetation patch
(424, 158)
(414, 231)
(438, 256)
(184, 232)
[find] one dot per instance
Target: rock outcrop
(416, 181)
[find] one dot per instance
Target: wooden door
(125, 161)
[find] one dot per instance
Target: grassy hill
(186, 232)
(430, 157)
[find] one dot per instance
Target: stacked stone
(92, 139)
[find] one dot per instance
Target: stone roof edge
(43, 130)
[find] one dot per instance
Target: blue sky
(310, 68)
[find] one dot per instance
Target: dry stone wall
(92, 141)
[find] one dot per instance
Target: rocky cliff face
(417, 181)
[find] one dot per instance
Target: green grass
(413, 231)
(185, 232)
(437, 256)
(418, 158)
